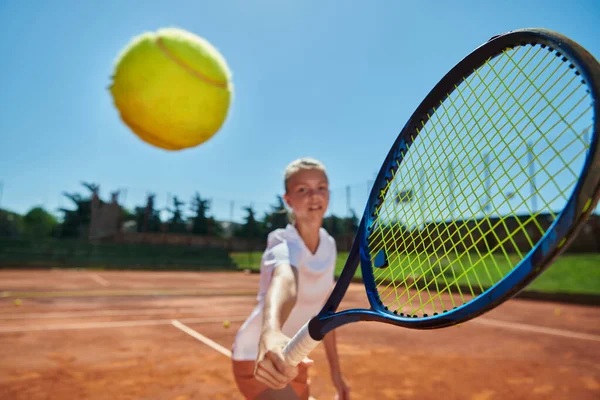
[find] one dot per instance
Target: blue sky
(335, 80)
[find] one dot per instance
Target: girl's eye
(301, 190)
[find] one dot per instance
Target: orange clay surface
(109, 335)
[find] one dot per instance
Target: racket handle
(300, 346)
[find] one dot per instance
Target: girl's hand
(342, 388)
(271, 368)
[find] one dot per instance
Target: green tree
(353, 223)
(11, 224)
(277, 217)
(202, 223)
(76, 222)
(127, 215)
(251, 229)
(215, 228)
(176, 223)
(334, 225)
(39, 223)
(200, 208)
(148, 218)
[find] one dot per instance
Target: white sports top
(315, 282)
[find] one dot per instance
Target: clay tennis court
(160, 335)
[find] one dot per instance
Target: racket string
(451, 247)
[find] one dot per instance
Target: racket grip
(299, 347)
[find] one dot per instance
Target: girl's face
(308, 195)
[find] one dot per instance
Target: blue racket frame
(562, 231)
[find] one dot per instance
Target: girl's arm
(271, 368)
(280, 297)
(342, 388)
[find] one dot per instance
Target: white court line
(208, 342)
(537, 329)
(214, 345)
(117, 324)
(129, 292)
(99, 313)
(99, 279)
(112, 324)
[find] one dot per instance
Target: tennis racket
(489, 181)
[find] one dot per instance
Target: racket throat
(315, 329)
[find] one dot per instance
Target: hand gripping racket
(486, 185)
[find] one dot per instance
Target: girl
(296, 276)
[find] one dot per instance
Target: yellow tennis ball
(18, 302)
(172, 88)
(225, 324)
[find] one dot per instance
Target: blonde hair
(293, 168)
(301, 163)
